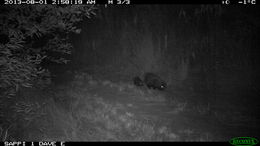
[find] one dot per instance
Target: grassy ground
(89, 109)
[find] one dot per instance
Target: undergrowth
(75, 113)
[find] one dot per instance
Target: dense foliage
(28, 35)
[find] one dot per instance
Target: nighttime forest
(179, 73)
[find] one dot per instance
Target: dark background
(211, 50)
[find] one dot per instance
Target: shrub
(29, 35)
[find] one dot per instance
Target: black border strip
(114, 2)
(50, 143)
(161, 1)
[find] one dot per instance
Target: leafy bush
(29, 35)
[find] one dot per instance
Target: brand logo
(243, 141)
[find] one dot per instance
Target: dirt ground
(103, 110)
